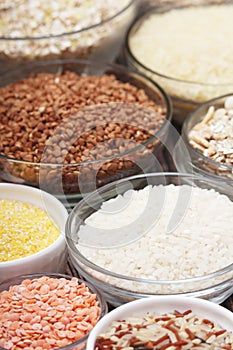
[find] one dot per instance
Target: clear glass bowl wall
(81, 343)
(100, 41)
(186, 95)
(119, 288)
(190, 160)
(63, 180)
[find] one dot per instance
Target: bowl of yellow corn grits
(32, 224)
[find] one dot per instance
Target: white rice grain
(200, 244)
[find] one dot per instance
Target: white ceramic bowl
(54, 257)
(163, 304)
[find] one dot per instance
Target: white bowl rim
(60, 240)
(132, 308)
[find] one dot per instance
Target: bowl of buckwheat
(207, 140)
(37, 31)
(71, 126)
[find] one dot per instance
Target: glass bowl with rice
(207, 133)
(33, 31)
(184, 47)
(155, 234)
(71, 126)
(60, 308)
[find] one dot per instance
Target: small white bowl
(54, 257)
(162, 304)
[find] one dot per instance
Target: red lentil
(46, 313)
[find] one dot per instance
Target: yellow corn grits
(24, 229)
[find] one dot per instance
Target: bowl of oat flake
(207, 134)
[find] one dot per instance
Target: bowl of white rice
(184, 46)
(155, 234)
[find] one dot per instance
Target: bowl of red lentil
(38, 31)
(71, 126)
(48, 311)
(164, 322)
(207, 135)
(32, 224)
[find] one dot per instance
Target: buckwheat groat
(68, 119)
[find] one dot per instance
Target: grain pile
(193, 248)
(24, 230)
(46, 313)
(159, 331)
(188, 44)
(67, 119)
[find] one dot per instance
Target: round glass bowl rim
(99, 296)
(50, 36)
(147, 82)
(76, 253)
(184, 134)
(139, 20)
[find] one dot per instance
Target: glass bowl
(194, 84)
(51, 304)
(120, 138)
(91, 31)
(190, 159)
(52, 258)
(156, 306)
(118, 253)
